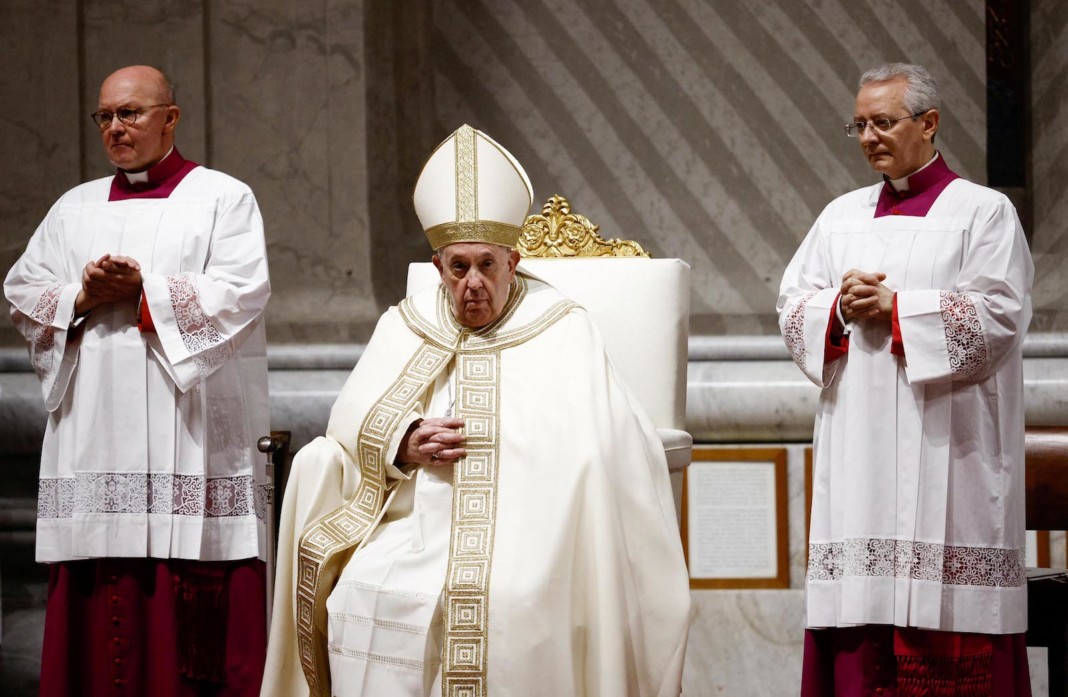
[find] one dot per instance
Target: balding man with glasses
(141, 296)
(907, 305)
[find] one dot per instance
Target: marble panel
(1049, 167)
(1045, 392)
(21, 651)
(22, 414)
(760, 400)
(745, 643)
(286, 90)
(1036, 662)
(40, 157)
(301, 402)
(797, 508)
(402, 130)
(739, 401)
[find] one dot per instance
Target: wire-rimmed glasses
(127, 116)
(855, 129)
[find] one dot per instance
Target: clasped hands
(863, 296)
(109, 279)
(433, 441)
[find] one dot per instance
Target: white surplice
(917, 501)
(149, 449)
(574, 526)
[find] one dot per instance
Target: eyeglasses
(856, 128)
(125, 115)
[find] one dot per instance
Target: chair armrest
(678, 446)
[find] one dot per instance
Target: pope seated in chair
(490, 510)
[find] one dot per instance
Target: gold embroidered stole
(326, 544)
(465, 645)
(474, 510)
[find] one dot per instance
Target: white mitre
(472, 190)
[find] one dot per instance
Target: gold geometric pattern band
(325, 545)
(488, 231)
(466, 175)
(464, 653)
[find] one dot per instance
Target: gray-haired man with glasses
(141, 296)
(907, 304)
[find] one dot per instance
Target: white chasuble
(150, 441)
(545, 562)
(917, 503)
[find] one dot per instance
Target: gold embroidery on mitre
(466, 175)
(489, 231)
(558, 232)
(326, 544)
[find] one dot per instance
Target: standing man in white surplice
(907, 303)
(141, 296)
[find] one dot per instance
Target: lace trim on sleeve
(43, 336)
(794, 331)
(922, 561)
(205, 344)
(964, 335)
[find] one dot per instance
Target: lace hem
(964, 335)
(922, 561)
(794, 331)
(43, 336)
(205, 344)
(168, 494)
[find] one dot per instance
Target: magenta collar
(924, 188)
(163, 177)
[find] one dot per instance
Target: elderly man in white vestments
(489, 512)
(907, 304)
(141, 296)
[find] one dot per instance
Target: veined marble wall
(1049, 160)
(709, 131)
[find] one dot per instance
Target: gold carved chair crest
(559, 233)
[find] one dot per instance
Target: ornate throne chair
(641, 306)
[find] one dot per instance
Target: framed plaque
(734, 518)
